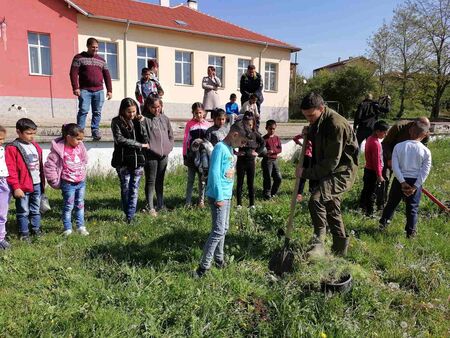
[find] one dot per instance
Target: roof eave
(76, 7)
(85, 13)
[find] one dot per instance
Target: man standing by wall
(251, 83)
(87, 73)
(331, 172)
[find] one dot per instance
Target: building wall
(179, 98)
(52, 17)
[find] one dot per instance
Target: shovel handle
(290, 227)
(435, 200)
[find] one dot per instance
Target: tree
(380, 51)
(409, 49)
(434, 23)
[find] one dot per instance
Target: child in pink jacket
(65, 169)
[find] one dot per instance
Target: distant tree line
(411, 63)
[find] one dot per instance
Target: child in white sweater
(411, 164)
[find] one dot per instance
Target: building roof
(180, 18)
(343, 63)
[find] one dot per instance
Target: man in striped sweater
(87, 73)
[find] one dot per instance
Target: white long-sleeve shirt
(411, 159)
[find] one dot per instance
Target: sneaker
(252, 207)
(199, 273)
(25, 237)
(220, 264)
(411, 235)
(267, 197)
(239, 207)
(153, 213)
(96, 135)
(37, 232)
(4, 244)
(67, 232)
(201, 204)
(82, 231)
(383, 223)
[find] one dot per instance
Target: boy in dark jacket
(26, 177)
(269, 163)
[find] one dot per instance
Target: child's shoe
(67, 232)
(37, 232)
(4, 244)
(199, 273)
(24, 237)
(411, 235)
(82, 231)
(383, 223)
(220, 264)
(153, 213)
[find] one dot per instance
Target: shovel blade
(282, 261)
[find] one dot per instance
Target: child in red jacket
(374, 166)
(26, 177)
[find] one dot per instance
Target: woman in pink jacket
(65, 169)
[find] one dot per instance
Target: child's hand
(219, 203)
(299, 198)
(380, 179)
(146, 146)
(18, 193)
(270, 151)
(254, 153)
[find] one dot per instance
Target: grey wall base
(55, 112)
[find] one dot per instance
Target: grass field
(135, 280)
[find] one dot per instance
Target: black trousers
(155, 171)
(270, 171)
(245, 166)
(367, 199)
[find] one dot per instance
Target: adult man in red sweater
(87, 73)
(374, 167)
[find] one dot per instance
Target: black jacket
(251, 85)
(127, 144)
(368, 113)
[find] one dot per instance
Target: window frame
(267, 81)
(242, 68)
(146, 58)
(39, 46)
(104, 56)
(182, 62)
(222, 66)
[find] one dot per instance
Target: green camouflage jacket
(335, 150)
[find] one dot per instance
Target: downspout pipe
(260, 56)
(125, 65)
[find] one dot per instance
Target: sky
(325, 30)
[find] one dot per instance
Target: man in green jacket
(331, 172)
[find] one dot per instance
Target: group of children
(215, 153)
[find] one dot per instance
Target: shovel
(283, 260)
(435, 200)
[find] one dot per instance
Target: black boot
(340, 245)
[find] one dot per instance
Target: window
(270, 78)
(143, 55)
(108, 51)
(39, 54)
(183, 68)
(218, 63)
(242, 68)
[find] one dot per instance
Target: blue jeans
(216, 240)
(129, 189)
(73, 198)
(412, 204)
(27, 211)
(86, 100)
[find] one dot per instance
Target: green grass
(135, 280)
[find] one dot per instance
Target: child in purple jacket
(65, 169)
